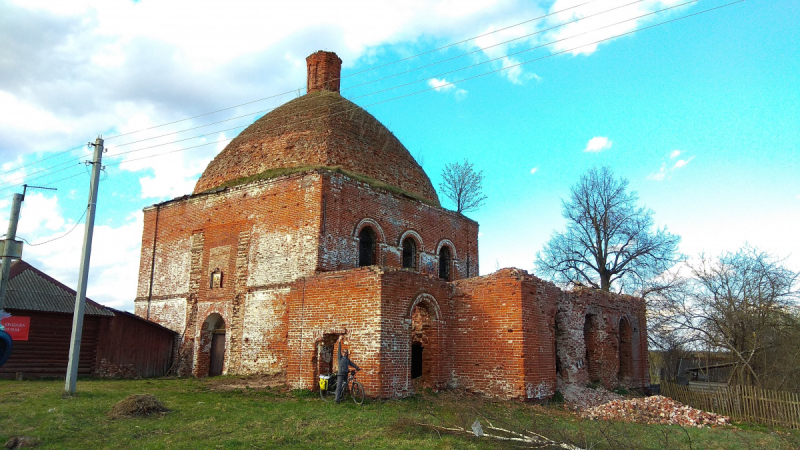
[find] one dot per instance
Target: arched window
(409, 254)
(444, 263)
(366, 247)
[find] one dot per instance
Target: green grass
(278, 417)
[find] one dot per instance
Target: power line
(368, 94)
(424, 90)
(410, 70)
(415, 81)
(26, 176)
(359, 72)
(63, 235)
(458, 81)
(43, 159)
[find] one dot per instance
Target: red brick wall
(333, 303)
(402, 293)
(288, 250)
(324, 71)
(348, 203)
(486, 334)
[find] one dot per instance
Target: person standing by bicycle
(344, 367)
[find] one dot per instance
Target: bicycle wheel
(357, 391)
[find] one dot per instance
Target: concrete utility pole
(80, 297)
(7, 256)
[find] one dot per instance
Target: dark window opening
(409, 254)
(366, 247)
(416, 360)
(444, 263)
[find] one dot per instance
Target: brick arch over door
(425, 368)
(211, 347)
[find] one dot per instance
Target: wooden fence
(741, 403)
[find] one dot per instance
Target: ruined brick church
(316, 222)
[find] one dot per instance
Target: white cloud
(115, 250)
(534, 170)
(598, 144)
(665, 172)
(660, 175)
(440, 85)
(597, 21)
(682, 162)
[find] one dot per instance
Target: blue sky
(701, 115)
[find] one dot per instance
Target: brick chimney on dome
(324, 70)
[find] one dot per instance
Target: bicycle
(327, 388)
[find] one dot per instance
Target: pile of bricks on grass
(655, 410)
(579, 397)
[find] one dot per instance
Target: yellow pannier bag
(323, 381)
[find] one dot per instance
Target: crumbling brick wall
(599, 358)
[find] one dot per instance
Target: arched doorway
(445, 259)
(625, 349)
(591, 328)
(215, 326)
(425, 352)
(409, 254)
(366, 247)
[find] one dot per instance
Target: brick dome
(319, 129)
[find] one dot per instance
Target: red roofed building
(113, 343)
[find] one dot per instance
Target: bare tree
(743, 305)
(609, 241)
(463, 185)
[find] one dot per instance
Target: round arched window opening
(366, 247)
(444, 263)
(409, 254)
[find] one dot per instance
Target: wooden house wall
(131, 341)
(46, 352)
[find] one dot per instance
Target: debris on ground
(137, 406)
(579, 397)
(655, 410)
(22, 442)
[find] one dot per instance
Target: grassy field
(203, 415)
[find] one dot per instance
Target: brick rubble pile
(579, 397)
(655, 410)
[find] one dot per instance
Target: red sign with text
(17, 327)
